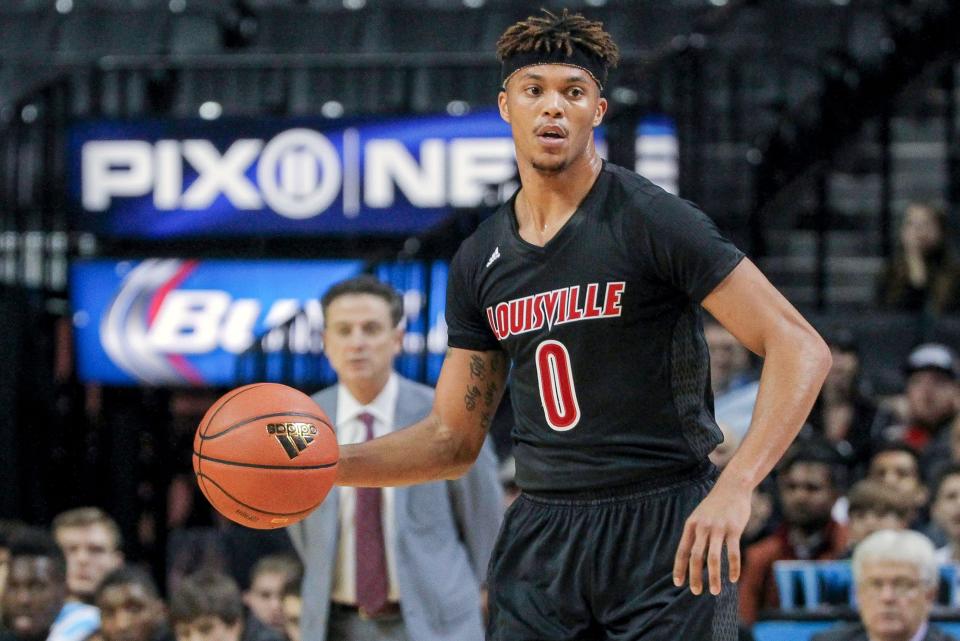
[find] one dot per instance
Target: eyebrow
(569, 80)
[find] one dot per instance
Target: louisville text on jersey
(556, 307)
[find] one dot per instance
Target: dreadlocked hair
(550, 32)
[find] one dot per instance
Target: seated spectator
(131, 608)
(946, 512)
(207, 606)
(895, 577)
(809, 481)
(734, 383)
(843, 414)
(292, 603)
(932, 397)
(35, 606)
(263, 598)
(923, 275)
(91, 542)
(7, 529)
(874, 506)
(898, 465)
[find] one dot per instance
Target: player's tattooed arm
(484, 389)
(444, 444)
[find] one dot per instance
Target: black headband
(593, 65)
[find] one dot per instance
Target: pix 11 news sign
(159, 179)
(187, 322)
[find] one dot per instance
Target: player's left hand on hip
(718, 521)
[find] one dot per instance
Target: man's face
(263, 598)
(129, 613)
(946, 507)
(808, 495)
(292, 607)
(931, 397)
(207, 628)
(893, 601)
(91, 554)
(360, 340)
(552, 110)
(899, 470)
(863, 523)
(727, 356)
(33, 598)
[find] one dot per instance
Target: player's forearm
(795, 366)
(425, 451)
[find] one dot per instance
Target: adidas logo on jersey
(494, 256)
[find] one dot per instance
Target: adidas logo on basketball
(293, 437)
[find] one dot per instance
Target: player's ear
(502, 103)
(601, 111)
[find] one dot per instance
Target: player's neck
(547, 200)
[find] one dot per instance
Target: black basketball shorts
(599, 566)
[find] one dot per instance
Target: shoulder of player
(477, 246)
(639, 198)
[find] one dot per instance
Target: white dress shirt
(351, 430)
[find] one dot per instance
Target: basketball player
(589, 282)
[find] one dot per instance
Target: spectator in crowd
(734, 383)
(263, 597)
(91, 542)
(7, 529)
(207, 606)
(895, 577)
(946, 512)
(898, 465)
(131, 608)
(809, 481)
(932, 398)
(924, 275)
(396, 563)
(292, 604)
(874, 506)
(843, 414)
(35, 604)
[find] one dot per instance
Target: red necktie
(371, 558)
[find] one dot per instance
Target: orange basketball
(265, 455)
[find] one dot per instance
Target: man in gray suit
(896, 576)
(391, 564)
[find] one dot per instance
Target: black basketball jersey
(610, 379)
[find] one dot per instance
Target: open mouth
(551, 133)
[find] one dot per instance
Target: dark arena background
(180, 181)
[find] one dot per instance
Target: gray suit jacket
(856, 632)
(445, 533)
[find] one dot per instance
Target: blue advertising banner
(160, 179)
(189, 322)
